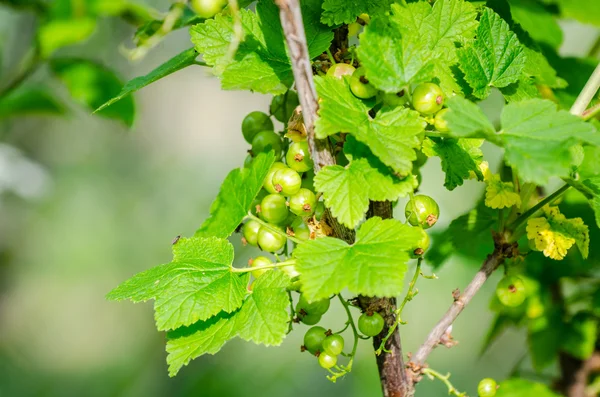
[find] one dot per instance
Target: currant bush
(388, 98)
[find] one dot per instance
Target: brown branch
(394, 379)
(293, 28)
(493, 260)
(576, 373)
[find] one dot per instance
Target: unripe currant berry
(422, 210)
(487, 387)
(254, 123)
(303, 203)
(427, 98)
(298, 157)
(339, 70)
(258, 262)
(511, 291)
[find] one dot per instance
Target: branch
(576, 373)
(436, 334)
(293, 28)
(587, 93)
(393, 376)
(394, 379)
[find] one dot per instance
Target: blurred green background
(85, 203)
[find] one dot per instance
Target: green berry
(258, 262)
(487, 387)
(303, 203)
(266, 141)
(298, 157)
(314, 308)
(370, 325)
(268, 184)
(273, 209)
(422, 246)
(250, 232)
(333, 344)
(207, 8)
(340, 70)
(327, 361)
(422, 210)
(310, 319)
(270, 241)
(254, 123)
(287, 181)
(300, 229)
(313, 339)
(395, 99)
(360, 86)
(511, 291)
(427, 98)
(282, 106)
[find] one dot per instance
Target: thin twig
(587, 93)
(434, 337)
(547, 200)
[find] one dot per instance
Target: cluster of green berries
(287, 200)
(323, 343)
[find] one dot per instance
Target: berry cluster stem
(432, 374)
(398, 313)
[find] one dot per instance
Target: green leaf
(580, 336)
(347, 190)
(466, 119)
(537, 21)
(24, 101)
(92, 84)
(196, 285)
(582, 10)
(180, 61)
(496, 58)
(414, 40)
(537, 138)
(337, 12)
(450, 21)
(520, 91)
(239, 189)
(524, 388)
(391, 135)
(538, 68)
(373, 266)
(593, 188)
(61, 33)
(262, 319)
(407, 59)
(261, 63)
(460, 158)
